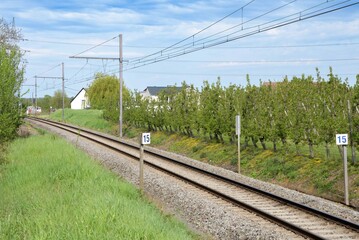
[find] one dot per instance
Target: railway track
(298, 218)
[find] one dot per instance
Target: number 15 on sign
(341, 139)
(146, 138)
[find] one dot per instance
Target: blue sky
(55, 30)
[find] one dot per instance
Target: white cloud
(91, 17)
(160, 23)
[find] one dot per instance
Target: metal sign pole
(346, 184)
(141, 167)
(238, 132)
(145, 138)
(342, 140)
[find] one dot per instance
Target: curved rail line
(303, 220)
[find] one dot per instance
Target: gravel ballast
(203, 213)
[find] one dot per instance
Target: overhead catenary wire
(202, 30)
(190, 47)
(95, 46)
(236, 26)
(79, 70)
(50, 69)
(230, 74)
(257, 17)
(222, 47)
(267, 61)
(299, 16)
(195, 42)
(176, 47)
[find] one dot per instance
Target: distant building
(32, 110)
(80, 101)
(152, 92)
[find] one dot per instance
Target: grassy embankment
(88, 118)
(318, 176)
(50, 190)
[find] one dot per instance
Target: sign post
(238, 133)
(145, 139)
(342, 140)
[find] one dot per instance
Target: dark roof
(154, 91)
(78, 93)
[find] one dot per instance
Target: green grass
(51, 190)
(87, 118)
(318, 176)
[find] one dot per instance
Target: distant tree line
(47, 102)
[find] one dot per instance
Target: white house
(80, 101)
(152, 92)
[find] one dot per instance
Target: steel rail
(286, 224)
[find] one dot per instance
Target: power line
(229, 47)
(239, 25)
(230, 74)
(52, 68)
(95, 46)
(192, 37)
(202, 30)
(295, 46)
(90, 76)
(290, 19)
(79, 70)
(267, 61)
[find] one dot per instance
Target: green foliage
(355, 111)
(104, 95)
(11, 77)
(300, 110)
(56, 100)
(59, 193)
(45, 103)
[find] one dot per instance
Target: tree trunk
(221, 138)
(311, 150)
(233, 138)
(254, 142)
(274, 146)
(261, 139)
(327, 150)
(246, 142)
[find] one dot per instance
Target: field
(51, 190)
(317, 176)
